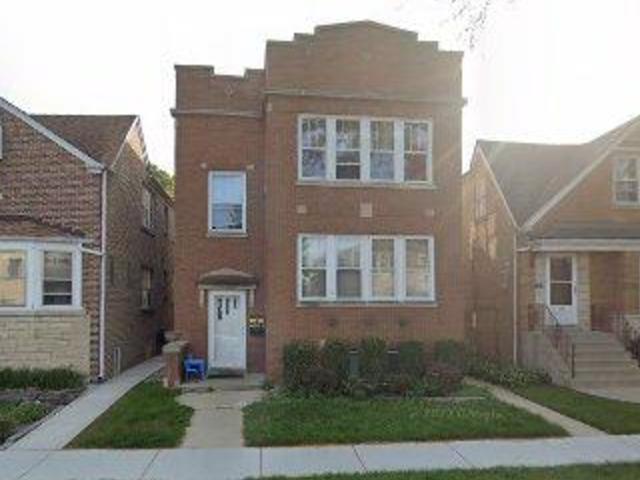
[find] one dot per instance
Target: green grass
(43, 379)
(284, 420)
(611, 416)
(12, 416)
(580, 472)
(147, 417)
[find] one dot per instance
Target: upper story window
(147, 209)
(364, 268)
(227, 202)
(365, 149)
(627, 181)
(37, 275)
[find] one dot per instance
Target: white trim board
(93, 165)
(585, 245)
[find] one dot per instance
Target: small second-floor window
(416, 145)
(382, 165)
(147, 283)
(347, 149)
(227, 202)
(314, 147)
(147, 209)
(627, 181)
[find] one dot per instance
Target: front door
(561, 292)
(227, 331)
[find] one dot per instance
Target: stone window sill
(14, 312)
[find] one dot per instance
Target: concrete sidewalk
(58, 430)
(239, 463)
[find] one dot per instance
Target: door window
(561, 280)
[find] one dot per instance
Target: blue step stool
(194, 367)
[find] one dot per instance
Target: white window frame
(226, 231)
(34, 275)
(147, 209)
(617, 180)
(146, 303)
(365, 144)
(400, 295)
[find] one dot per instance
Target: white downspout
(515, 299)
(103, 276)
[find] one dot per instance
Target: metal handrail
(542, 318)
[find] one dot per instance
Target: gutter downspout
(515, 299)
(103, 276)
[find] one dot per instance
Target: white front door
(561, 291)
(227, 330)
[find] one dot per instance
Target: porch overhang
(584, 245)
(226, 277)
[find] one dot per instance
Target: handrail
(541, 318)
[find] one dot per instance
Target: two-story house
(553, 247)
(84, 243)
(319, 197)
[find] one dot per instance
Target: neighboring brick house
(321, 195)
(552, 242)
(73, 293)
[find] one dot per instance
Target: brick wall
(40, 179)
(45, 341)
(232, 123)
(129, 248)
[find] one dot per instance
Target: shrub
(399, 384)
(411, 358)
(7, 427)
(442, 379)
(323, 381)
(451, 352)
(43, 379)
(373, 359)
(298, 360)
(359, 389)
(334, 356)
(509, 376)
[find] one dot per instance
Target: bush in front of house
(40, 378)
(324, 369)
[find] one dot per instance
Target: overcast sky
(543, 70)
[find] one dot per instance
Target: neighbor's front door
(561, 291)
(227, 330)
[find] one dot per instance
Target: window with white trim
(147, 209)
(627, 181)
(40, 276)
(13, 278)
(227, 202)
(146, 288)
(366, 268)
(363, 149)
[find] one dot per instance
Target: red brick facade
(48, 193)
(250, 123)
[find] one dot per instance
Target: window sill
(372, 304)
(148, 231)
(218, 234)
(368, 184)
(627, 206)
(42, 312)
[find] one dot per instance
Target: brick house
(85, 243)
(319, 196)
(552, 243)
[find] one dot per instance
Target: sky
(558, 71)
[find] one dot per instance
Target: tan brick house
(85, 243)
(552, 236)
(319, 195)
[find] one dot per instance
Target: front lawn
(147, 417)
(580, 472)
(287, 420)
(611, 416)
(15, 415)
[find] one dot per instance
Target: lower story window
(366, 268)
(147, 282)
(40, 275)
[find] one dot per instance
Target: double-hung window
(147, 288)
(147, 209)
(227, 202)
(364, 149)
(13, 278)
(364, 268)
(627, 181)
(38, 275)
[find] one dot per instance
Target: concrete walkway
(240, 463)
(573, 427)
(625, 394)
(57, 431)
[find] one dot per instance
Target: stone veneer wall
(45, 341)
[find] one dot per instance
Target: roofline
(93, 165)
(494, 180)
(134, 123)
(536, 216)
